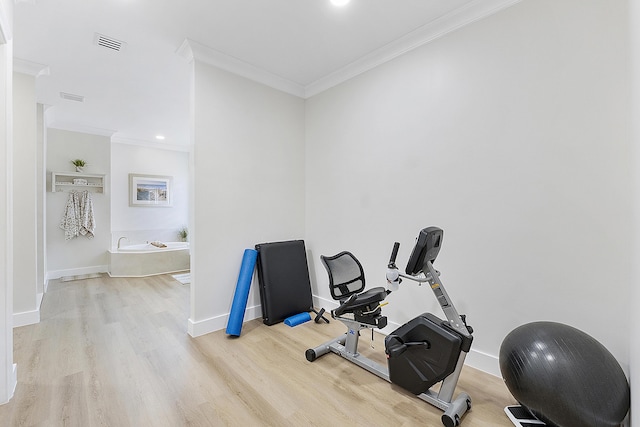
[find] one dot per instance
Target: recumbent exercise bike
(420, 353)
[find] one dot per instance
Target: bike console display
(426, 249)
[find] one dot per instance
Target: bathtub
(148, 260)
(148, 247)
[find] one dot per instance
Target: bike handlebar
(343, 307)
(394, 254)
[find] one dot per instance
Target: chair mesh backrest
(346, 275)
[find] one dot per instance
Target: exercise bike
(422, 352)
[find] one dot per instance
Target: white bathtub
(148, 260)
(148, 247)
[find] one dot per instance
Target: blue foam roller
(297, 319)
(239, 305)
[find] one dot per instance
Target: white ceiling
(143, 90)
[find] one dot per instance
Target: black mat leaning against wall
(283, 275)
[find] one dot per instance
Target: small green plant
(79, 163)
(183, 233)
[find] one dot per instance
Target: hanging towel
(87, 221)
(71, 217)
(78, 216)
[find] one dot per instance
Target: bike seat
(370, 297)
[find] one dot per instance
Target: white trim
(217, 323)
(148, 144)
(185, 50)
(26, 318)
(203, 327)
(191, 50)
(5, 28)
(148, 275)
(323, 302)
(75, 127)
(434, 30)
(31, 68)
(14, 379)
(476, 359)
(471, 12)
(56, 274)
(485, 362)
(7, 367)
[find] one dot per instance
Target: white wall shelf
(65, 181)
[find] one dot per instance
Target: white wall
(41, 195)
(140, 224)
(79, 255)
(511, 135)
(634, 113)
(7, 368)
(25, 281)
(248, 184)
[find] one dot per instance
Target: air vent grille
(72, 97)
(108, 42)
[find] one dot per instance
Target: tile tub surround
(147, 260)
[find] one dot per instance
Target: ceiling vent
(108, 42)
(71, 97)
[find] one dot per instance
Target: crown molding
(192, 50)
(30, 68)
(75, 127)
(434, 30)
(185, 50)
(471, 12)
(52, 123)
(148, 144)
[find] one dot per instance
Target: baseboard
(26, 318)
(203, 327)
(475, 359)
(213, 324)
(56, 274)
(30, 317)
(328, 304)
(484, 362)
(144, 275)
(14, 380)
(12, 383)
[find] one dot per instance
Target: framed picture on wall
(150, 190)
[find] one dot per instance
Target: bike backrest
(346, 275)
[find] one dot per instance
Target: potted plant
(79, 164)
(183, 233)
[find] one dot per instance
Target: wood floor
(115, 352)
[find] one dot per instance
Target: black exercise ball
(564, 376)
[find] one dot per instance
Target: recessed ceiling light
(160, 137)
(340, 3)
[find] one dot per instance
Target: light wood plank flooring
(115, 352)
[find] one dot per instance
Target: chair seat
(370, 297)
